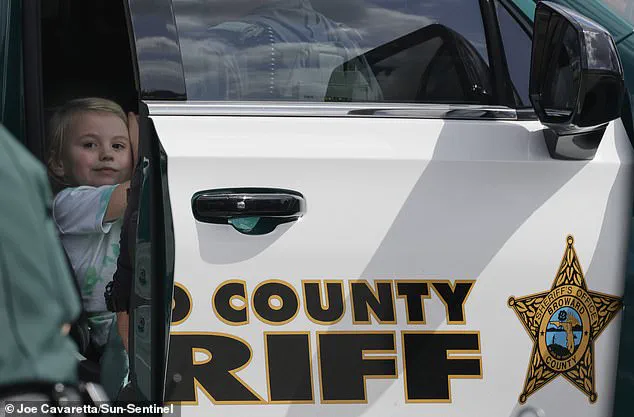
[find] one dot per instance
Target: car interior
(86, 52)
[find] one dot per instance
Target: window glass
(334, 50)
(518, 48)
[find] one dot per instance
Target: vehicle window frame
(158, 23)
(525, 24)
(497, 61)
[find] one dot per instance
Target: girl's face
(97, 150)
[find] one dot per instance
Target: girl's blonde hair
(59, 127)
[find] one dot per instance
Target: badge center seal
(564, 327)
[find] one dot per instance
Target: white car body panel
(403, 199)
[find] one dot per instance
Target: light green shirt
(37, 295)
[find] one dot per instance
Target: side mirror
(576, 83)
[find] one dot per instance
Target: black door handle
(221, 205)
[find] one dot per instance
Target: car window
(517, 47)
(334, 50)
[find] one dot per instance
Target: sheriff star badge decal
(563, 324)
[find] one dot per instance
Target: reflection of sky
(463, 16)
(378, 21)
(157, 50)
(559, 337)
(598, 44)
(601, 55)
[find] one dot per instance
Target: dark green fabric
(36, 292)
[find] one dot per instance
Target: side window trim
(513, 13)
(133, 48)
(166, 82)
(497, 60)
(310, 109)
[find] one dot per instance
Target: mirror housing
(576, 82)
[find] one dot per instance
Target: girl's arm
(123, 323)
(119, 198)
(118, 202)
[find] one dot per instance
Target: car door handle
(221, 205)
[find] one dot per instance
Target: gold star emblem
(563, 324)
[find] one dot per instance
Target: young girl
(93, 145)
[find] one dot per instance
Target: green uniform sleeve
(37, 295)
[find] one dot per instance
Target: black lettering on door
(344, 365)
(366, 301)
(222, 303)
(215, 374)
(414, 293)
(454, 299)
(288, 364)
(318, 311)
(429, 368)
(181, 304)
(275, 302)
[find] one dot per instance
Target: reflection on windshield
(288, 49)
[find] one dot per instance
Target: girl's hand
(133, 131)
(123, 325)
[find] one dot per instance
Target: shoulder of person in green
(37, 295)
